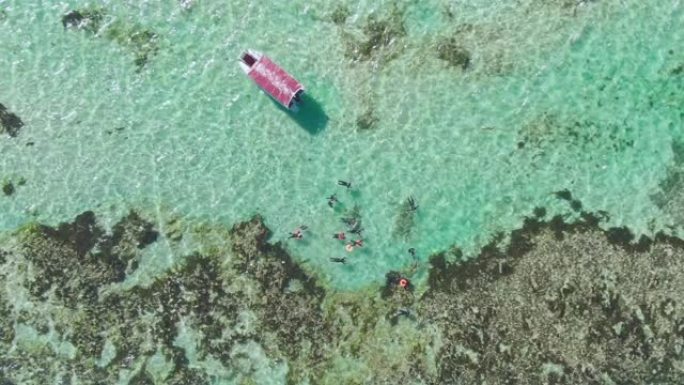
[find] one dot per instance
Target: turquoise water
(190, 135)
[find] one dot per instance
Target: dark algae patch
(381, 36)
(10, 123)
(563, 303)
(142, 42)
(452, 52)
(89, 20)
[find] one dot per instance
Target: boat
(271, 78)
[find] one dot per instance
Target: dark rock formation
(451, 51)
(562, 303)
(10, 123)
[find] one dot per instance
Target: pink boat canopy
(272, 79)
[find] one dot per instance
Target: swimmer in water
(344, 183)
(342, 260)
(332, 200)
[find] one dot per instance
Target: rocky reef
(380, 37)
(10, 123)
(452, 52)
(551, 302)
(142, 42)
(563, 303)
(547, 130)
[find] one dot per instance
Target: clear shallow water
(198, 139)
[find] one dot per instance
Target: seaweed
(405, 219)
(142, 42)
(381, 38)
(352, 218)
(451, 51)
(10, 123)
(89, 20)
(340, 15)
(367, 120)
(7, 188)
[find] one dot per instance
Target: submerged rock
(7, 188)
(382, 35)
(367, 120)
(451, 51)
(340, 15)
(89, 20)
(557, 303)
(10, 123)
(142, 42)
(569, 309)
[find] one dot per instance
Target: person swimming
(342, 260)
(356, 230)
(299, 232)
(341, 236)
(332, 200)
(413, 206)
(412, 252)
(344, 183)
(357, 243)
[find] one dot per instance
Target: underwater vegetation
(548, 130)
(10, 123)
(352, 217)
(142, 42)
(590, 306)
(8, 185)
(451, 51)
(340, 15)
(381, 36)
(405, 218)
(89, 20)
(670, 198)
(367, 120)
(551, 302)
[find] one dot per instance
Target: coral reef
(552, 302)
(405, 219)
(340, 15)
(367, 120)
(670, 198)
(89, 20)
(562, 303)
(142, 42)
(548, 130)
(381, 37)
(451, 51)
(10, 123)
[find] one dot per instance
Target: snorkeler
(357, 243)
(344, 183)
(332, 200)
(342, 260)
(299, 232)
(412, 251)
(413, 206)
(356, 230)
(341, 236)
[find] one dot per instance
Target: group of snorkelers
(353, 224)
(354, 227)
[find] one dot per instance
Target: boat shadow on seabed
(310, 116)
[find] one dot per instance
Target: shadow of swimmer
(310, 116)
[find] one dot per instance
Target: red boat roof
(274, 80)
